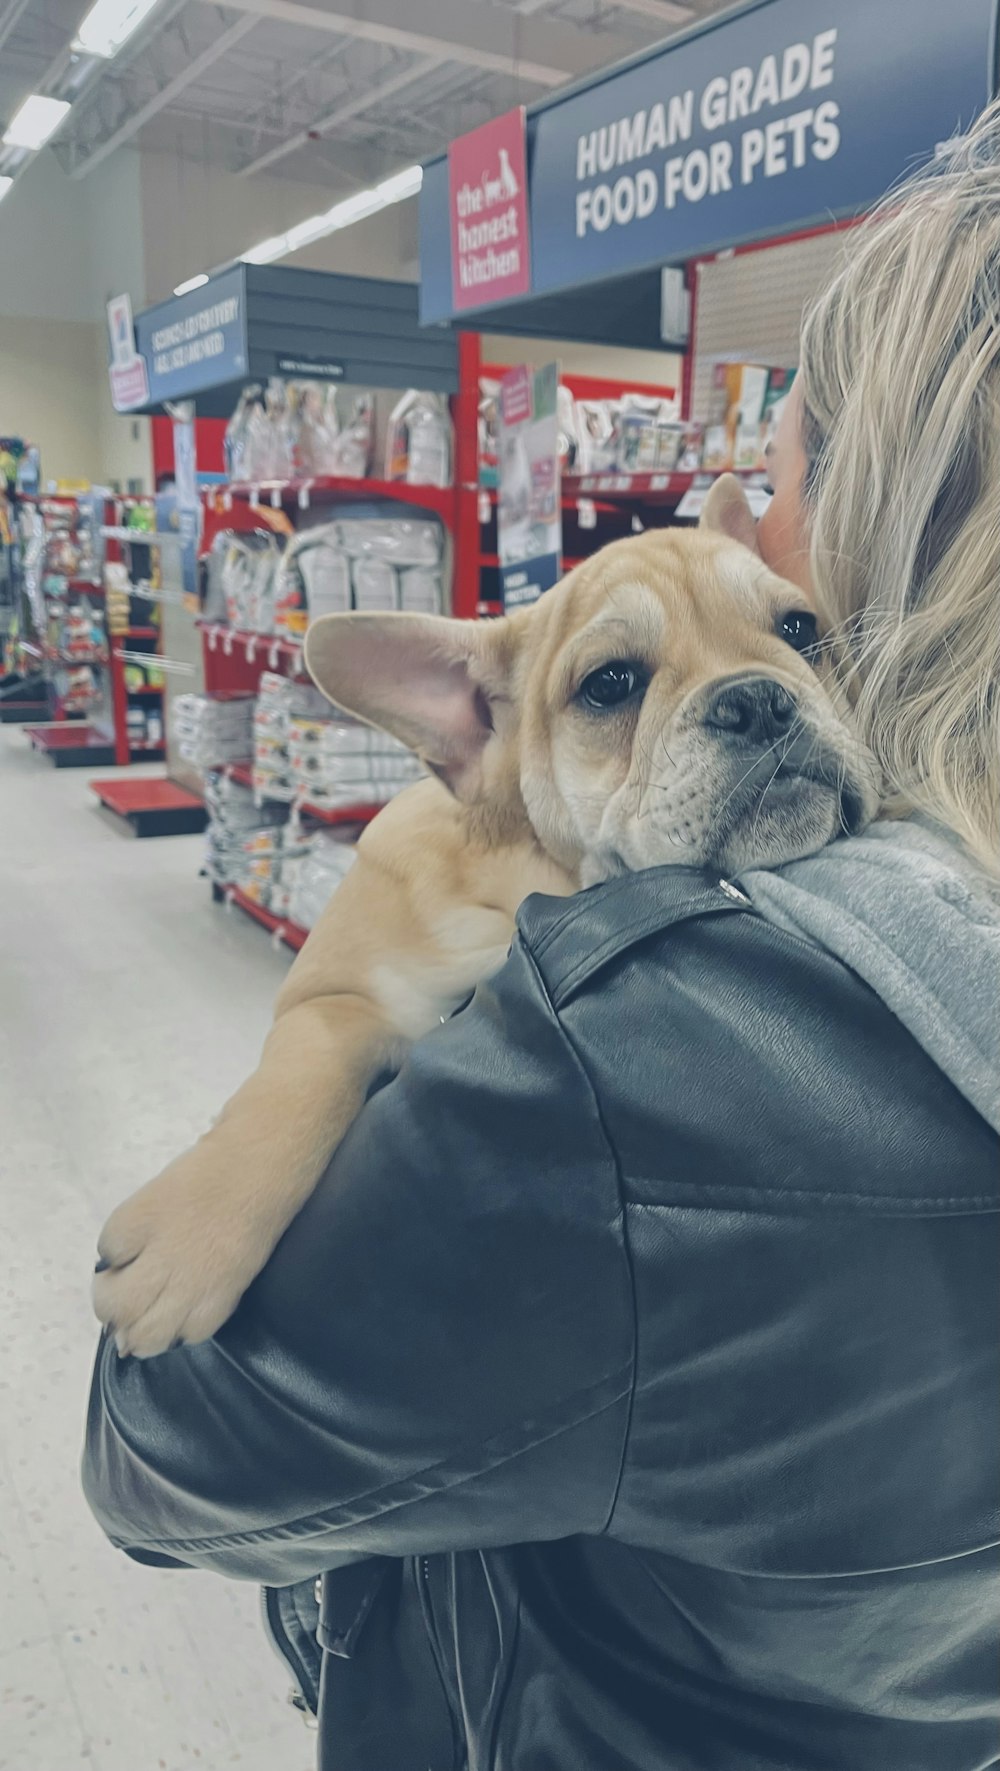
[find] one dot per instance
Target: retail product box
(733, 433)
(692, 448)
(779, 386)
(748, 410)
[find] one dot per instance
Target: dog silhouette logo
(508, 178)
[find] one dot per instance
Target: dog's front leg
(181, 1252)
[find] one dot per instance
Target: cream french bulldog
(665, 703)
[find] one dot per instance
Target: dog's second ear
(726, 512)
(427, 680)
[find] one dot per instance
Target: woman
(631, 1377)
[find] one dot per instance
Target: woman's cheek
(782, 541)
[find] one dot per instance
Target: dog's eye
(612, 685)
(798, 629)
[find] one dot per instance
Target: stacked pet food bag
(268, 584)
(308, 760)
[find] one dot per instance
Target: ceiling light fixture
(37, 119)
(343, 215)
(5, 184)
(197, 282)
(109, 24)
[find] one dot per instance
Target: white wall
(49, 392)
(660, 368)
(65, 247)
(198, 218)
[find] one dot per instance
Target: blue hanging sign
(195, 341)
(786, 113)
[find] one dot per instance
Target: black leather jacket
(633, 1373)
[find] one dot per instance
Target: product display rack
(138, 643)
(105, 739)
(281, 928)
(371, 327)
(73, 734)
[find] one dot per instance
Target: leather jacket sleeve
(438, 1356)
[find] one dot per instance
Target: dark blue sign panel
(788, 112)
(195, 341)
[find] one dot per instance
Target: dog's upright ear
(726, 512)
(436, 684)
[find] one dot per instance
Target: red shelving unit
(332, 815)
(288, 932)
(71, 746)
(328, 489)
(153, 808)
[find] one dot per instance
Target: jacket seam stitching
(712, 1193)
(640, 932)
(309, 1524)
(626, 1247)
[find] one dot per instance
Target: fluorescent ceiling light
(197, 282)
(37, 119)
(401, 185)
(305, 232)
(267, 251)
(5, 184)
(343, 215)
(109, 24)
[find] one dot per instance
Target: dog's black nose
(756, 708)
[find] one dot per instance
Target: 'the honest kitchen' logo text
(480, 232)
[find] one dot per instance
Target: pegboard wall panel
(749, 307)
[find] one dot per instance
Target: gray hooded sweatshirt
(907, 911)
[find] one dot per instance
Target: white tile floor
(130, 1006)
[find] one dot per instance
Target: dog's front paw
(175, 1260)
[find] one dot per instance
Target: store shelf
(268, 647)
(360, 814)
(148, 752)
(53, 655)
(148, 537)
(147, 692)
(331, 489)
(647, 488)
(72, 747)
(16, 712)
(289, 932)
(153, 808)
(356, 814)
(569, 560)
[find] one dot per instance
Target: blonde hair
(901, 387)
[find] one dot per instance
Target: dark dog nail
(102, 1266)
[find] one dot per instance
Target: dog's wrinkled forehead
(684, 603)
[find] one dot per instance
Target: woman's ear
(427, 680)
(726, 512)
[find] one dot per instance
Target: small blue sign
(787, 113)
(195, 341)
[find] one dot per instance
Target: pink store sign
(488, 195)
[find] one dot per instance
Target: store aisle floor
(129, 1007)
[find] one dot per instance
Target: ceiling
(339, 92)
